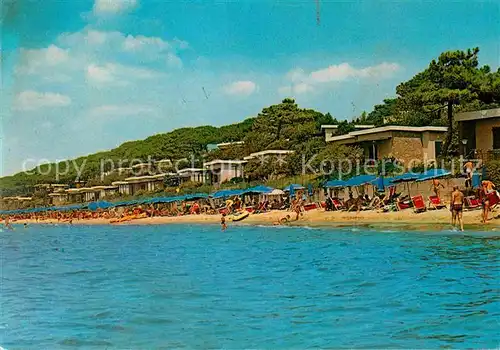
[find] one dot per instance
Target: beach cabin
(268, 153)
(58, 198)
(332, 130)
(123, 187)
(88, 194)
(226, 145)
(148, 183)
(405, 143)
(191, 174)
(219, 171)
(480, 133)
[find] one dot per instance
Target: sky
(86, 75)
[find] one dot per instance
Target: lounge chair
(338, 204)
(310, 206)
(401, 205)
(435, 203)
(418, 204)
(472, 202)
(494, 198)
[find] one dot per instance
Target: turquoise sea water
(189, 286)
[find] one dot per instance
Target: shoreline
(313, 218)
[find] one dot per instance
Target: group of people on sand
(458, 199)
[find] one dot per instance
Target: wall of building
(384, 148)
(407, 148)
(484, 133)
(429, 139)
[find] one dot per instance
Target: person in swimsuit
(457, 207)
(223, 222)
(468, 167)
(483, 195)
(435, 187)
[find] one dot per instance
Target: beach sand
(313, 218)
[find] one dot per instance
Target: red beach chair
(310, 206)
(494, 198)
(402, 205)
(338, 204)
(472, 202)
(418, 203)
(435, 203)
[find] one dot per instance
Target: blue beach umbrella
(433, 174)
(335, 184)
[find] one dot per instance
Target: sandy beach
(312, 218)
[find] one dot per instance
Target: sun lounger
(435, 203)
(494, 198)
(472, 202)
(418, 203)
(338, 204)
(402, 205)
(310, 206)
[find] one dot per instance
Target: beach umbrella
(292, 192)
(261, 189)
(276, 192)
(99, 205)
(334, 183)
(310, 190)
(293, 187)
(433, 174)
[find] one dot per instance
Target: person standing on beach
(485, 199)
(457, 207)
(468, 167)
(435, 187)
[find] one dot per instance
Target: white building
(191, 174)
(219, 171)
(331, 130)
(268, 153)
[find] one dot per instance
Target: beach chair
(435, 203)
(418, 204)
(494, 198)
(310, 206)
(402, 205)
(338, 204)
(472, 203)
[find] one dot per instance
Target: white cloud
(242, 88)
(33, 100)
(345, 71)
(116, 74)
(32, 61)
(140, 42)
(302, 82)
(113, 6)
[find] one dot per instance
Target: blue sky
(83, 76)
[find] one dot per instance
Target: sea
(197, 287)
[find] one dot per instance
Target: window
(438, 148)
(496, 138)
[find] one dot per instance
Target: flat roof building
(268, 153)
(405, 143)
(331, 130)
(480, 133)
(219, 171)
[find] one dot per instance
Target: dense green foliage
(493, 171)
